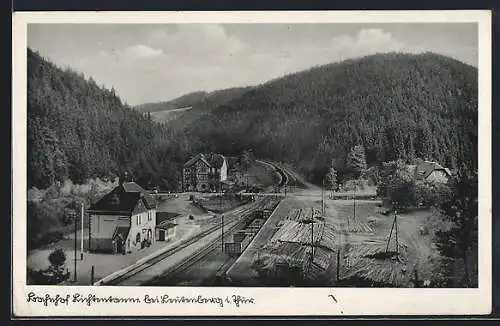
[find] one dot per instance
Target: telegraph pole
(394, 225)
(312, 233)
(81, 242)
(222, 217)
(76, 244)
(354, 204)
(323, 199)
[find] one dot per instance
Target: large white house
(122, 221)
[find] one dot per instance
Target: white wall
(139, 223)
(102, 229)
(105, 225)
(223, 171)
(438, 176)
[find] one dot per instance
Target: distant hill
(210, 102)
(177, 103)
(396, 105)
(198, 104)
(167, 115)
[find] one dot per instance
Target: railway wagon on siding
(255, 225)
(238, 245)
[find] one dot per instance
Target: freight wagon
(236, 248)
(255, 225)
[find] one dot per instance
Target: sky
(152, 63)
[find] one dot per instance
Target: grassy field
(168, 115)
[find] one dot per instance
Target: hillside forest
(395, 106)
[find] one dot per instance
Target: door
(119, 245)
(161, 235)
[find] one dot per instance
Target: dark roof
(123, 199)
(424, 169)
(212, 160)
(196, 158)
(132, 187)
(215, 160)
(166, 225)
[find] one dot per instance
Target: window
(137, 220)
(138, 238)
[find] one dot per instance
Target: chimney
(124, 178)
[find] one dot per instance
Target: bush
(57, 257)
(430, 194)
(50, 276)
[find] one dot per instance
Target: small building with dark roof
(430, 171)
(204, 172)
(122, 221)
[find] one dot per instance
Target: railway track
(234, 222)
(284, 177)
(181, 267)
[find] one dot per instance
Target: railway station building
(122, 221)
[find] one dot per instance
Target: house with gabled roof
(204, 172)
(430, 171)
(123, 220)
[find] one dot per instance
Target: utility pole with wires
(222, 218)
(394, 227)
(323, 199)
(354, 204)
(312, 234)
(81, 240)
(76, 244)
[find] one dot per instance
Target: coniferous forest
(398, 106)
(78, 130)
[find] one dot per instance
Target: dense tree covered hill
(200, 103)
(79, 130)
(396, 105)
(177, 103)
(210, 102)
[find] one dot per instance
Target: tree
(356, 160)
(431, 193)
(247, 159)
(461, 210)
(397, 185)
(331, 177)
(57, 258)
